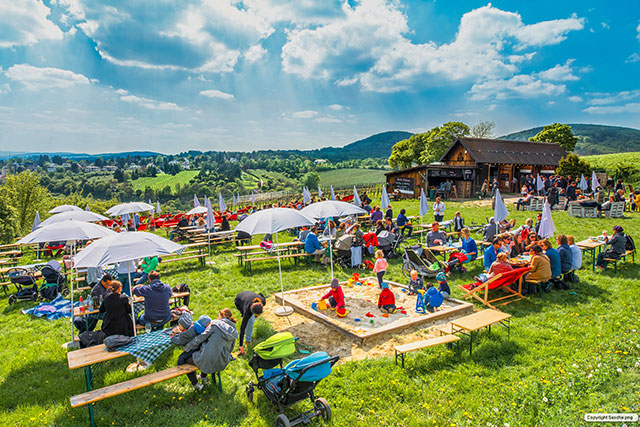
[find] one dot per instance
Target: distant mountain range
(75, 156)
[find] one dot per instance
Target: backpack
(114, 341)
(91, 338)
(630, 244)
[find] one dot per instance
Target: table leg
(593, 259)
(89, 383)
(470, 343)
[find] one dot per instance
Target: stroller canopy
(385, 238)
(280, 345)
(296, 367)
(344, 243)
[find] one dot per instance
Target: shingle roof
(502, 151)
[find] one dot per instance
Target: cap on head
(186, 320)
(440, 277)
(335, 284)
(618, 228)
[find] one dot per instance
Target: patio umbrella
(196, 202)
(128, 208)
(223, 206)
(547, 228)
(333, 195)
(253, 199)
(79, 215)
(500, 211)
(197, 210)
(594, 181)
(319, 192)
(424, 207)
(356, 198)
(306, 197)
(158, 210)
(539, 184)
(583, 183)
(331, 208)
(234, 201)
(64, 208)
(271, 221)
(210, 224)
(384, 199)
(36, 221)
(87, 208)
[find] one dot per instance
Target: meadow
(607, 161)
(571, 352)
(163, 179)
(338, 177)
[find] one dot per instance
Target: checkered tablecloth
(148, 347)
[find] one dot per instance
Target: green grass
(570, 352)
(162, 180)
(339, 177)
(607, 161)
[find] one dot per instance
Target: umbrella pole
(133, 313)
(331, 255)
(281, 311)
(421, 228)
(73, 250)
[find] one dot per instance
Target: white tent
(66, 230)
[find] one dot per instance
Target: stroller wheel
(406, 269)
(323, 407)
(362, 267)
(282, 421)
(13, 299)
(249, 392)
(65, 291)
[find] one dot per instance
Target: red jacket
(337, 295)
(386, 298)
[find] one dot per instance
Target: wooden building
(469, 161)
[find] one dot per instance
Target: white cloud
(336, 107)
(297, 12)
(151, 104)
(634, 57)
(368, 45)
(605, 25)
(306, 114)
(638, 30)
(519, 86)
(24, 22)
(613, 98)
(327, 119)
(213, 93)
(575, 99)
(254, 54)
(559, 73)
(632, 107)
(4, 89)
(35, 78)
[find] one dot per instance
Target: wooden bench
(482, 319)
(535, 204)
(248, 261)
(200, 257)
(406, 348)
(622, 258)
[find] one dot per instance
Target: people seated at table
(468, 245)
(211, 350)
(98, 293)
(490, 231)
(524, 201)
(147, 265)
(117, 312)
(403, 223)
(504, 225)
(606, 206)
(376, 215)
(517, 246)
(619, 195)
(531, 240)
(576, 254)
(525, 228)
(554, 261)
(224, 225)
(566, 256)
(126, 270)
(500, 265)
(389, 212)
(458, 222)
(358, 235)
(389, 226)
(540, 266)
(157, 310)
(617, 246)
(312, 245)
(303, 233)
(250, 305)
(435, 237)
(491, 253)
(201, 223)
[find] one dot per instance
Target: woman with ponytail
(250, 306)
(211, 350)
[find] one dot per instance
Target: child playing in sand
(415, 283)
(443, 286)
(380, 266)
(387, 300)
(335, 295)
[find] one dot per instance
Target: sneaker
(203, 380)
(198, 386)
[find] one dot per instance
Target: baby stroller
(388, 243)
(424, 262)
(295, 382)
(25, 284)
(343, 251)
(54, 281)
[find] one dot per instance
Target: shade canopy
(127, 208)
(125, 247)
(66, 230)
(64, 208)
(331, 208)
(80, 215)
(547, 228)
(273, 220)
(197, 210)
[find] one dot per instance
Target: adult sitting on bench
(566, 258)
(98, 293)
(156, 295)
(540, 267)
(618, 247)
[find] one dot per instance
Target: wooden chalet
(469, 161)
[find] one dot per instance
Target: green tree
(624, 170)
(558, 133)
(25, 195)
(7, 221)
(483, 129)
(311, 179)
(426, 147)
(118, 175)
(573, 165)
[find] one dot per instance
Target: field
(338, 177)
(162, 180)
(607, 161)
(571, 352)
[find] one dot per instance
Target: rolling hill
(374, 146)
(593, 139)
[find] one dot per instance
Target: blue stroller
(295, 382)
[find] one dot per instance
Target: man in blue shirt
(312, 245)
(403, 223)
(491, 253)
(554, 258)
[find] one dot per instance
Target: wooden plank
(444, 339)
(168, 261)
(173, 298)
(91, 355)
(480, 320)
(127, 386)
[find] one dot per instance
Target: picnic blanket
(148, 347)
(55, 309)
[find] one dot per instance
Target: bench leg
(219, 382)
(89, 382)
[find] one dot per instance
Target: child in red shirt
(335, 295)
(387, 300)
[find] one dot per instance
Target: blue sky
(164, 75)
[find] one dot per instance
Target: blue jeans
(248, 331)
(144, 278)
(142, 321)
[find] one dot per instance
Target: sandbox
(363, 299)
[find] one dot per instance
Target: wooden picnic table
(590, 246)
(483, 319)
(442, 250)
(11, 254)
(251, 250)
(174, 296)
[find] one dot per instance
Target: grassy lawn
(570, 352)
(162, 180)
(351, 176)
(608, 160)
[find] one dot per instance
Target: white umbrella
(196, 202)
(424, 206)
(66, 230)
(270, 221)
(197, 210)
(331, 208)
(36, 221)
(64, 208)
(127, 208)
(80, 215)
(206, 200)
(539, 184)
(210, 224)
(158, 210)
(306, 197)
(384, 199)
(87, 208)
(208, 204)
(356, 198)
(547, 228)
(223, 206)
(583, 183)
(319, 192)
(594, 181)
(500, 211)
(253, 198)
(333, 195)
(233, 200)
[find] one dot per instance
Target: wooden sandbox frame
(460, 308)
